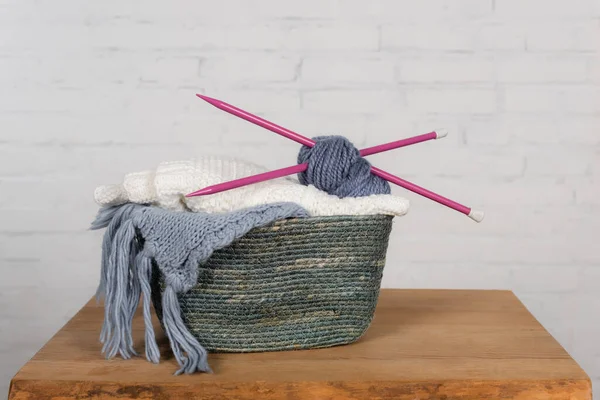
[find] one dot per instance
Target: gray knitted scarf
(137, 236)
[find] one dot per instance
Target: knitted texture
(167, 185)
(336, 167)
(177, 242)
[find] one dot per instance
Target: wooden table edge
(571, 389)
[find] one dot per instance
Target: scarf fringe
(126, 272)
(144, 270)
(180, 338)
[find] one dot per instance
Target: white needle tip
(441, 133)
(476, 216)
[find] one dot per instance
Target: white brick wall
(91, 90)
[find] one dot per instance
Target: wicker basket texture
(296, 284)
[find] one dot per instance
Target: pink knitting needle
(238, 112)
(473, 214)
(296, 169)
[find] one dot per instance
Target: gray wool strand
(144, 270)
(178, 242)
(195, 358)
(336, 167)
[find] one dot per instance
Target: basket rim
(343, 217)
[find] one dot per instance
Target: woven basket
(295, 284)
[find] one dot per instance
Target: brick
(373, 10)
(48, 314)
(24, 194)
(354, 101)
(261, 68)
(332, 37)
(57, 101)
(541, 8)
(556, 161)
(37, 274)
(537, 131)
(531, 69)
(73, 215)
(403, 10)
(586, 193)
(17, 70)
(23, 39)
(545, 279)
(458, 37)
(581, 99)
(435, 276)
(590, 280)
(190, 129)
(487, 131)
(346, 70)
(83, 130)
(467, 9)
(274, 9)
(249, 37)
(584, 303)
(484, 250)
(167, 103)
(106, 163)
(551, 130)
(81, 247)
(39, 161)
(500, 37)
(532, 99)
(436, 69)
(150, 36)
(270, 36)
(240, 11)
(174, 70)
(236, 12)
(563, 36)
(594, 71)
(101, 71)
(577, 219)
(467, 101)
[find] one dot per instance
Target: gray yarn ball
(336, 167)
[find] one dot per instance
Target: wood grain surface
(422, 344)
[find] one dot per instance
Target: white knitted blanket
(167, 186)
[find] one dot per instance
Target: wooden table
(422, 344)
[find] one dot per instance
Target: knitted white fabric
(167, 186)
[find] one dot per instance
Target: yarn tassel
(110, 218)
(119, 294)
(133, 293)
(144, 270)
(180, 338)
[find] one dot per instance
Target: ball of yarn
(336, 167)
